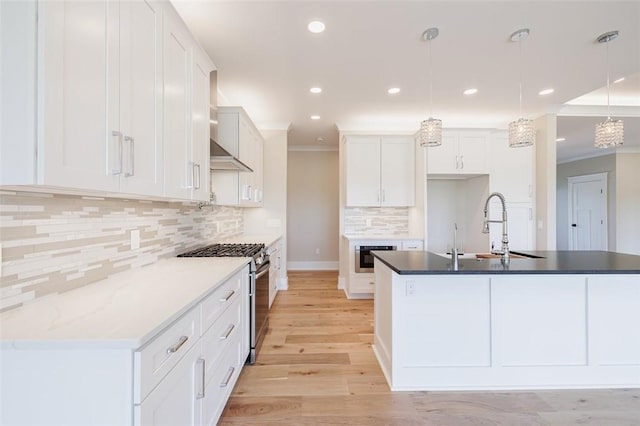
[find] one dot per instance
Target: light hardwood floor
(316, 367)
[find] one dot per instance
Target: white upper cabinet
(510, 169)
(461, 152)
(380, 171)
(240, 137)
(111, 97)
(186, 107)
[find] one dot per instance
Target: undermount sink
(512, 255)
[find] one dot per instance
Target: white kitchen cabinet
(239, 136)
(520, 225)
(97, 107)
(186, 106)
(182, 374)
(510, 169)
(380, 171)
(461, 152)
(115, 108)
(275, 258)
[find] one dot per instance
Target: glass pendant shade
(521, 133)
(431, 132)
(609, 133)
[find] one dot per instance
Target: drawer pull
(228, 296)
(227, 378)
(178, 345)
(229, 330)
(200, 370)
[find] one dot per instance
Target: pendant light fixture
(430, 129)
(609, 133)
(521, 131)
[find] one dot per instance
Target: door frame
(602, 177)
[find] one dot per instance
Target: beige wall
(545, 182)
(312, 209)
(628, 203)
(589, 166)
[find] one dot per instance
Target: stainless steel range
(258, 285)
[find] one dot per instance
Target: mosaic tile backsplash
(55, 243)
(384, 220)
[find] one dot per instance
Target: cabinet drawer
(158, 357)
(412, 245)
(215, 342)
(221, 298)
(224, 377)
(362, 284)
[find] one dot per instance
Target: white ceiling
(267, 60)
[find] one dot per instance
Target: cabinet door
(174, 401)
(520, 225)
(510, 169)
(444, 158)
(397, 168)
(363, 171)
(177, 129)
(141, 97)
(200, 127)
(77, 148)
(472, 153)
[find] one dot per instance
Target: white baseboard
(283, 283)
(312, 266)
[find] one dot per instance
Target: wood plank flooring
(316, 367)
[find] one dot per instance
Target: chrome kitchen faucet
(504, 253)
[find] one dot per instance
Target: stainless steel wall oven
(364, 259)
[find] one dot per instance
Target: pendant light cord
(520, 48)
(430, 82)
(608, 89)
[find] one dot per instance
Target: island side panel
(382, 313)
(614, 320)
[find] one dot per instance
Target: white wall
(603, 164)
(312, 209)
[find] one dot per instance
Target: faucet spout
(505, 237)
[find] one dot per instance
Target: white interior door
(588, 212)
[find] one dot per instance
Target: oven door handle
(265, 271)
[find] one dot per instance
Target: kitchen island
(562, 320)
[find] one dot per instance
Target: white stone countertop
(382, 237)
(124, 311)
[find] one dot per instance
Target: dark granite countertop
(550, 262)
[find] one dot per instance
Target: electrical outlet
(318, 251)
(410, 288)
(369, 221)
(135, 239)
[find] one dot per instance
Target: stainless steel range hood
(222, 160)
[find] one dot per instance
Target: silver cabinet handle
(226, 335)
(131, 155)
(462, 162)
(384, 198)
(227, 378)
(197, 175)
(200, 370)
(178, 345)
(228, 296)
(117, 168)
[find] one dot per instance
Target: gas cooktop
(226, 250)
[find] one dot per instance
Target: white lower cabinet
(174, 401)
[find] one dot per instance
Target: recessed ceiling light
(545, 92)
(316, 90)
(619, 80)
(393, 90)
(315, 117)
(471, 91)
(561, 139)
(316, 26)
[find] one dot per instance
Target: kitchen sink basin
(513, 255)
